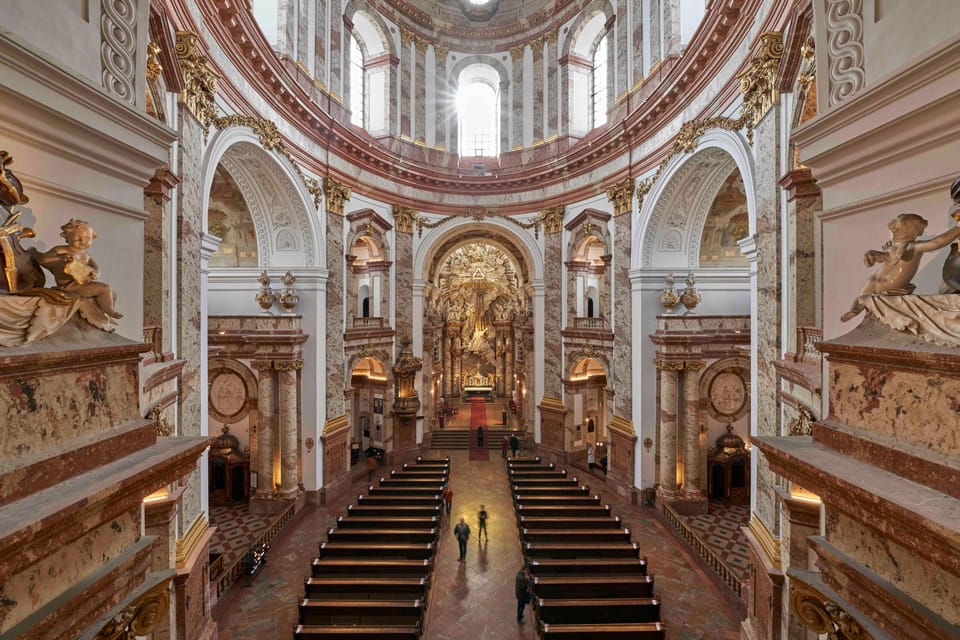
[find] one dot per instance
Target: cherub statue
(74, 270)
(951, 266)
(900, 257)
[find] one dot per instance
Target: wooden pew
(411, 551)
(382, 535)
(534, 500)
(521, 466)
(430, 462)
(356, 632)
(541, 550)
(597, 610)
(604, 522)
(562, 511)
(386, 511)
(538, 475)
(523, 461)
(545, 567)
(616, 631)
(370, 568)
(359, 522)
(365, 588)
(439, 476)
(580, 536)
(593, 586)
(362, 612)
(404, 491)
(403, 500)
(550, 490)
(412, 482)
(538, 482)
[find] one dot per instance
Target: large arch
(288, 233)
(717, 152)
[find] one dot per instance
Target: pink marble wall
(403, 270)
(623, 320)
(552, 315)
(334, 307)
(156, 275)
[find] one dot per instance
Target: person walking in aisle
(482, 526)
(523, 588)
(514, 445)
(447, 498)
(504, 446)
(479, 437)
(462, 531)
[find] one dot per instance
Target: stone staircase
(461, 438)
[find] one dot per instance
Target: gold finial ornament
(690, 297)
(266, 297)
(337, 195)
(200, 81)
(669, 298)
(288, 298)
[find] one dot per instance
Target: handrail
(806, 338)
(232, 572)
(730, 577)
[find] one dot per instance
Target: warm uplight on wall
(157, 496)
(801, 494)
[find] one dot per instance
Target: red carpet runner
(478, 418)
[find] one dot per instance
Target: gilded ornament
(694, 365)
(758, 82)
(140, 617)
(159, 421)
(620, 195)
(289, 298)
(265, 297)
(643, 188)
(405, 218)
(440, 52)
(200, 81)
(803, 424)
(669, 298)
(822, 615)
(552, 219)
(288, 365)
(690, 297)
(154, 68)
(516, 53)
(669, 365)
(262, 365)
(337, 195)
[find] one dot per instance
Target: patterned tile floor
(474, 599)
(721, 531)
(237, 529)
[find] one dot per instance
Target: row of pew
(589, 578)
(371, 577)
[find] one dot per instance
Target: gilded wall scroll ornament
(620, 195)
(643, 188)
(118, 48)
(822, 615)
(337, 195)
(154, 68)
(140, 617)
(552, 219)
(803, 423)
(758, 83)
(159, 421)
(405, 218)
(200, 81)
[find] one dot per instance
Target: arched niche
(368, 401)
(674, 211)
(281, 208)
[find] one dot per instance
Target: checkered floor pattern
(720, 530)
(237, 529)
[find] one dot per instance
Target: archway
(587, 399)
(367, 400)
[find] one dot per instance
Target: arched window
(478, 111)
(598, 83)
(357, 83)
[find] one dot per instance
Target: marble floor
(722, 531)
(475, 599)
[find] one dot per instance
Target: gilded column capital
(288, 365)
(420, 44)
(694, 365)
(620, 194)
(406, 37)
(758, 83)
(551, 37)
(537, 46)
(337, 195)
(200, 81)
(440, 52)
(552, 218)
(669, 365)
(516, 53)
(261, 365)
(405, 218)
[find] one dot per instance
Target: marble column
(159, 520)
(334, 310)
(654, 25)
(552, 94)
(336, 53)
(801, 516)
(804, 201)
(287, 426)
(266, 432)
(320, 43)
(420, 104)
(504, 116)
(508, 374)
(563, 101)
(442, 97)
(286, 27)
(671, 27)
(403, 277)
(622, 319)
(617, 40)
(157, 234)
(537, 48)
(457, 365)
(637, 45)
(406, 122)
(668, 427)
(691, 425)
(516, 110)
(552, 314)
(303, 28)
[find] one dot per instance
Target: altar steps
(461, 438)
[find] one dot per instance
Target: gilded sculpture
(900, 258)
(28, 310)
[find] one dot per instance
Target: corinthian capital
(337, 195)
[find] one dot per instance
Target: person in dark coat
(523, 588)
(479, 436)
(514, 445)
(505, 446)
(462, 532)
